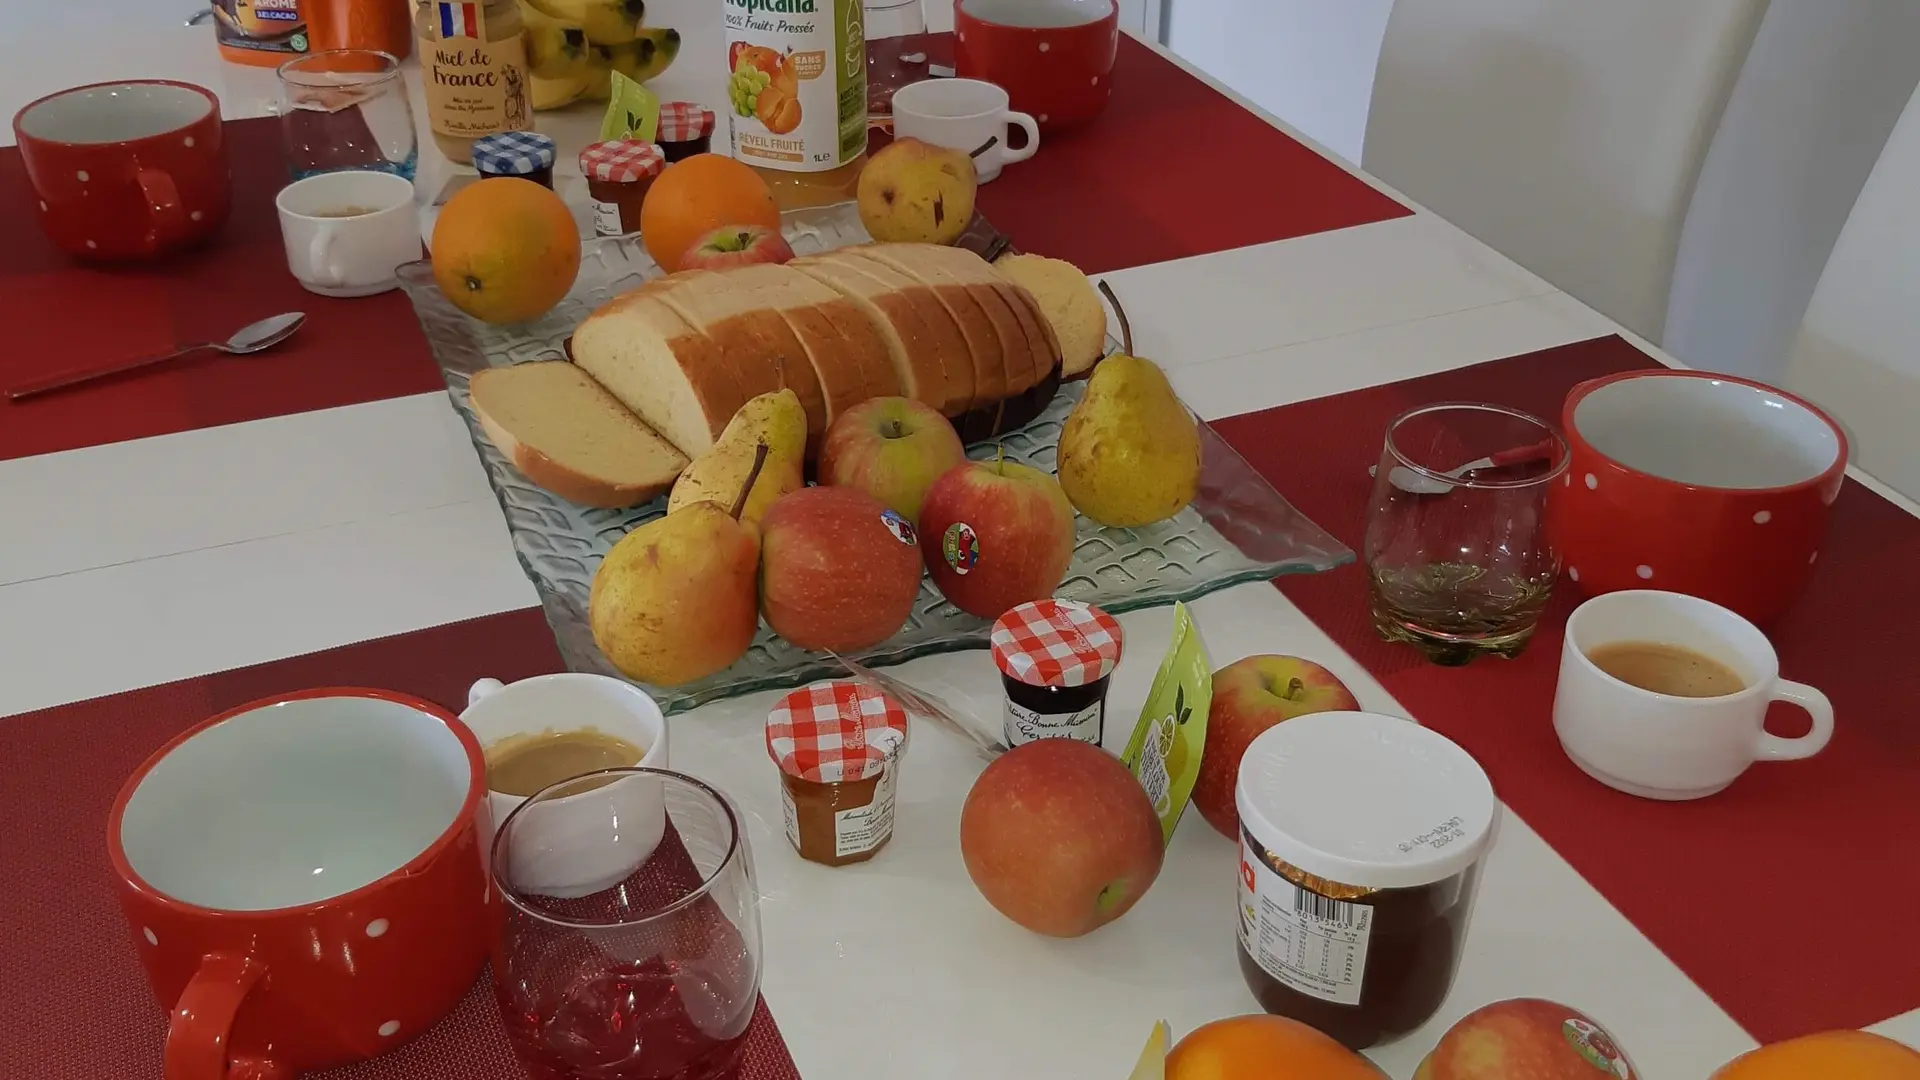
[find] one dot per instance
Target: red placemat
(62, 315)
(1788, 897)
(1173, 168)
(74, 999)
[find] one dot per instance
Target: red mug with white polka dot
(303, 880)
(1055, 57)
(1704, 484)
(126, 171)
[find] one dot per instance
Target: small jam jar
(1361, 839)
(619, 172)
(525, 154)
(686, 129)
(838, 745)
(1055, 657)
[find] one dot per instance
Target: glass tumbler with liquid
(1459, 560)
(896, 51)
(347, 109)
(629, 942)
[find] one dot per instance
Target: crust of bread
(576, 485)
(756, 342)
(604, 345)
(984, 320)
(918, 349)
(1043, 352)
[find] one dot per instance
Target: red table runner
(1789, 897)
(74, 999)
(1172, 169)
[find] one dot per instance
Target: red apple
(837, 570)
(995, 535)
(1060, 837)
(1251, 695)
(892, 448)
(737, 245)
(1525, 1039)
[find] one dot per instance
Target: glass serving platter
(1238, 530)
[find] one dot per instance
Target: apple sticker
(900, 527)
(961, 547)
(1596, 1047)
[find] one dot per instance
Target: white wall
(1309, 62)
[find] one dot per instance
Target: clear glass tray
(1238, 530)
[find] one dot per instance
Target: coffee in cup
(1674, 670)
(524, 764)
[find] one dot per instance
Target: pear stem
(1126, 328)
(985, 146)
(780, 371)
(746, 489)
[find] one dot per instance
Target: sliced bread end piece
(1071, 305)
(566, 433)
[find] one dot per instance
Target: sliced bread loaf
(751, 335)
(661, 367)
(1071, 305)
(965, 305)
(922, 339)
(1025, 361)
(849, 355)
(566, 433)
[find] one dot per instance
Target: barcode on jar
(1320, 907)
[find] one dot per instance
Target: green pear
(1130, 452)
(678, 598)
(773, 420)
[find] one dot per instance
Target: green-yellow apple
(892, 448)
(995, 535)
(1526, 1039)
(1251, 695)
(837, 570)
(737, 245)
(1060, 837)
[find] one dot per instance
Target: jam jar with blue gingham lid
(524, 154)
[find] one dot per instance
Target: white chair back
(1565, 133)
(1858, 353)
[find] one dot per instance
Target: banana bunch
(574, 46)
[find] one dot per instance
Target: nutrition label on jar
(1303, 940)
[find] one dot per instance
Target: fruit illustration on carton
(765, 85)
(1165, 750)
(575, 46)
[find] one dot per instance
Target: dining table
(228, 527)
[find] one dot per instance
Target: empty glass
(896, 51)
(347, 109)
(653, 976)
(1459, 563)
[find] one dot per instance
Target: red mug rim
(1843, 451)
(476, 791)
(20, 135)
(960, 12)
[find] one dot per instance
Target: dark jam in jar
(1055, 658)
(1413, 951)
(1044, 712)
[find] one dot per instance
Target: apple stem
(896, 430)
(746, 489)
(985, 146)
(1294, 686)
(1126, 328)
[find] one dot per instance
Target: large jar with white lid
(1361, 839)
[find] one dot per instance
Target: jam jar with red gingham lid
(838, 745)
(686, 129)
(619, 172)
(1055, 658)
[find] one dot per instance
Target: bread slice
(752, 337)
(566, 433)
(1045, 348)
(922, 339)
(848, 353)
(1072, 307)
(967, 309)
(661, 367)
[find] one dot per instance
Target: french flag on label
(459, 20)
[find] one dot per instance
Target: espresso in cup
(1674, 670)
(525, 764)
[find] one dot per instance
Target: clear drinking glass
(629, 942)
(1459, 563)
(347, 109)
(896, 51)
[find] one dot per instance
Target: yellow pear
(916, 192)
(1153, 1057)
(1130, 452)
(678, 598)
(773, 420)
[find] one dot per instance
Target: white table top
(219, 548)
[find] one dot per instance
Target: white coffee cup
(353, 255)
(573, 855)
(1660, 746)
(962, 114)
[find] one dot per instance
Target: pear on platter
(919, 193)
(1130, 452)
(678, 598)
(775, 421)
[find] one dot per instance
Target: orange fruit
(505, 250)
(697, 195)
(1262, 1047)
(1831, 1055)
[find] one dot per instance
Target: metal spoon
(1414, 482)
(251, 338)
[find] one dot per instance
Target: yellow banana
(555, 51)
(558, 93)
(605, 22)
(641, 59)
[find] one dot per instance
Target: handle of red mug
(1774, 748)
(167, 217)
(202, 1024)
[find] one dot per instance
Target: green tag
(633, 112)
(1164, 752)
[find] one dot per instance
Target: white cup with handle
(962, 114)
(1661, 745)
(348, 232)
